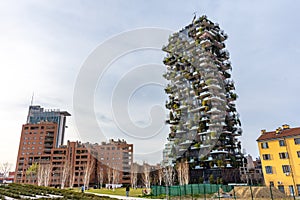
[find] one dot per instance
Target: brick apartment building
(73, 164)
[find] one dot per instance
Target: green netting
(191, 189)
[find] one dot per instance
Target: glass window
(266, 157)
(269, 170)
(291, 188)
(286, 168)
(298, 153)
(264, 145)
(283, 155)
(281, 188)
(297, 140)
(282, 143)
(272, 183)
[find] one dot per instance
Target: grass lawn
(118, 191)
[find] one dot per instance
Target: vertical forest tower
(204, 123)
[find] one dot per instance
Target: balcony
(218, 151)
(48, 145)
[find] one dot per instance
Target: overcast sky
(43, 45)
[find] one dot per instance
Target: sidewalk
(120, 197)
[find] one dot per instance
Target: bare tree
(134, 174)
(71, 175)
(47, 173)
(87, 172)
(169, 175)
(5, 169)
(179, 172)
(100, 176)
(65, 173)
(40, 173)
(108, 175)
(146, 175)
(115, 176)
(43, 174)
(160, 175)
(185, 173)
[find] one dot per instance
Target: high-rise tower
(37, 115)
(204, 123)
(44, 130)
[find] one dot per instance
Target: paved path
(121, 197)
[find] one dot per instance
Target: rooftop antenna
(32, 99)
(195, 15)
(31, 102)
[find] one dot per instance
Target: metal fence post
(218, 186)
(192, 191)
(180, 192)
(271, 192)
(204, 187)
(251, 192)
(234, 194)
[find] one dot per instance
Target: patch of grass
(118, 191)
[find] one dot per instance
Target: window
(283, 155)
(291, 188)
(298, 153)
(282, 143)
(272, 183)
(298, 188)
(286, 168)
(266, 157)
(269, 170)
(281, 188)
(264, 145)
(297, 140)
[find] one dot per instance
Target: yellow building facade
(280, 156)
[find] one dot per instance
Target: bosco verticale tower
(204, 123)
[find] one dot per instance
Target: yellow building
(280, 156)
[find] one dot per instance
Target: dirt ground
(243, 192)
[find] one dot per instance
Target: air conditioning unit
(287, 174)
(279, 183)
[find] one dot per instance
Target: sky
(46, 44)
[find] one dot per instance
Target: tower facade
(204, 123)
(37, 115)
